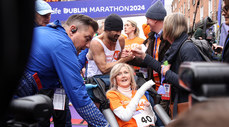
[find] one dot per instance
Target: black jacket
(226, 51)
(175, 55)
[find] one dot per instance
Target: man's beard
(114, 38)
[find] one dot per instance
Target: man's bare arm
(99, 57)
(98, 54)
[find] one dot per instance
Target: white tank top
(111, 56)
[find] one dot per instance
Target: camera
(30, 110)
(204, 80)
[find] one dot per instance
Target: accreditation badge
(167, 94)
(59, 99)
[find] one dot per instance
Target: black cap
(113, 22)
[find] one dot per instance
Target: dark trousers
(59, 116)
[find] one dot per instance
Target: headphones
(74, 30)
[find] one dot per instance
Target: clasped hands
(135, 52)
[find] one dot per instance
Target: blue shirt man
(56, 56)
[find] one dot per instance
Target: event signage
(99, 8)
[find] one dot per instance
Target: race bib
(143, 118)
(59, 99)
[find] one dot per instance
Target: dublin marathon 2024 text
(99, 9)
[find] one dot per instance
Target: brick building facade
(188, 7)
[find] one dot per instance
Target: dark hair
(198, 33)
(80, 19)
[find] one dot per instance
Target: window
(193, 20)
(184, 8)
(210, 8)
(188, 4)
(201, 13)
(193, 2)
(188, 23)
(193, 17)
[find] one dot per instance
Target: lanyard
(162, 76)
(155, 48)
(161, 89)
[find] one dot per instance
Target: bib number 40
(146, 119)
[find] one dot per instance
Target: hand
(147, 107)
(217, 48)
(139, 47)
(126, 53)
(146, 104)
(138, 52)
(164, 69)
(127, 58)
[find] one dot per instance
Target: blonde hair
(115, 71)
(101, 23)
(134, 24)
(174, 25)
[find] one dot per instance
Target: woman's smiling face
(123, 78)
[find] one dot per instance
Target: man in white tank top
(105, 49)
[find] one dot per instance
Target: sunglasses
(225, 9)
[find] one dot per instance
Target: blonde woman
(133, 40)
(130, 106)
(175, 31)
(132, 31)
